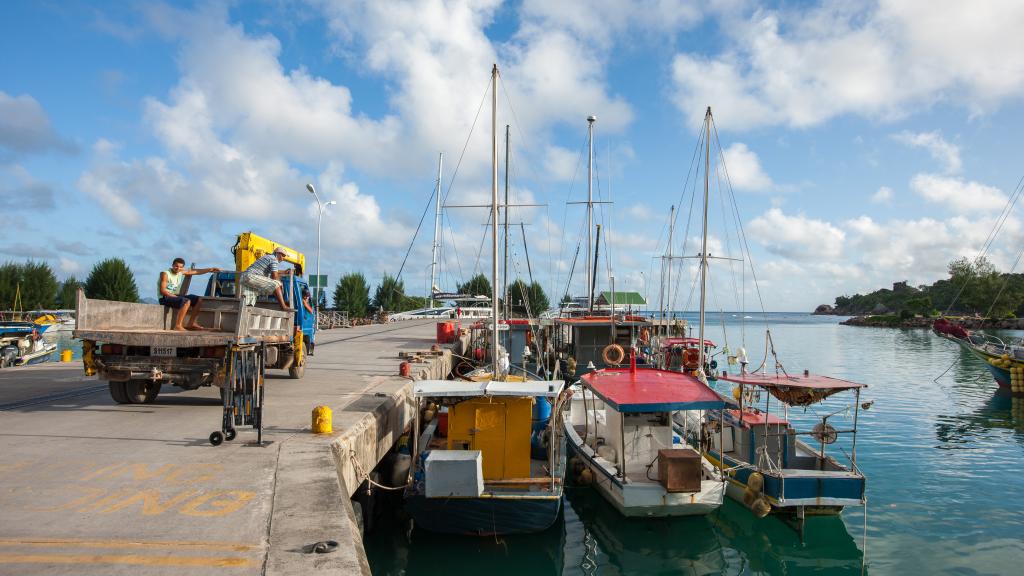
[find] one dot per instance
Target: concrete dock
(88, 486)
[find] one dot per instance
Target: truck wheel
(118, 392)
(142, 391)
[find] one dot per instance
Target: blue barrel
(541, 417)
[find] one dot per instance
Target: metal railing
(328, 319)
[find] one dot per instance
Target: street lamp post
(319, 218)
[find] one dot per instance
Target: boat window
(726, 438)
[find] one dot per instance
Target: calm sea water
(944, 460)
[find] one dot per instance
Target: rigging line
(451, 181)
(725, 221)
(1005, 283)
(451, 230)
(693, 198)
(565, 213)
(743, 233)
(398, 277)
(483, 238)
(1003, 216)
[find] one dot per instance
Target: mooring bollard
(65, 355)
(322, 420)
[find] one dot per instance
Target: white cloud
(562, 164)
(797, 237)
(946, 153)
(745, 172)
(69, 267)
(602, 21)
(957, 194)
(882, 196)
(801, 67)
(25, 128)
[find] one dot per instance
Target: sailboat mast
(494, 220)
(590, 207)
(437, 230)
(504, 284)
(704, 239)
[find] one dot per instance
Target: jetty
(95, 487)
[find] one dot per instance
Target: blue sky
(866, 143)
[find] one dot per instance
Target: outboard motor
(8, 354)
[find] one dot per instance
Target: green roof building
(621, 299)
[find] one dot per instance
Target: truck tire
(142, 391)
(118, 392)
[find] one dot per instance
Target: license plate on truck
(163, 351)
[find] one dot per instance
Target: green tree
(412, 303)
(352, 294)
(34, 280)
(389, 294)
(38, 286)
(10, 279)
(478, 285)
(111, 279)
(67, 296)
(527, 299)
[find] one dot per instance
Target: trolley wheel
(230, 434)
(216, 438)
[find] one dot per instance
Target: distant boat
(55, 320)
(17, 348)
(1004, 360)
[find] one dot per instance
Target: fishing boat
(474, 470)
(475, 474)
(683, 355)
(770, 469)
(1004, 360)
(18, 348)
(620, 430)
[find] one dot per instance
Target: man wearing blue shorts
(169, 288)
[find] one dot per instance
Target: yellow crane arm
(250, 247)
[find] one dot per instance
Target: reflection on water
(942, 452)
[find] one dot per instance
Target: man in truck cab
(262, 277)
(169, 288)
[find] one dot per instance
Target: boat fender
(761, 507)
(613, 354)
(607, 452)
(755, 481)
(586, 477)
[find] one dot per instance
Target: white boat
(620, 428)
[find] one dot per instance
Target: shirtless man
(169, 287)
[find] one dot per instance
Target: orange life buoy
(613, 354)
(691, 356)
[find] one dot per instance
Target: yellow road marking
(223, 562)
(84, 543)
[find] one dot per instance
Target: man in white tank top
(169, 288)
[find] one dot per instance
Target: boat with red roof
(620, 428)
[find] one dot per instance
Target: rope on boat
(360, 473)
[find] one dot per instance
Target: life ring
(691, 356)
(613, 354)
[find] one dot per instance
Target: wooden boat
(474, 473)
(1004, 360)
(620, 429)
(770, 469)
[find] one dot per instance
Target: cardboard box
(679, 470)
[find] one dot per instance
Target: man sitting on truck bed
(169, 287)
(262, 277)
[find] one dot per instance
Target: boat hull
(484, 516)
(806, 492)
(645, 500)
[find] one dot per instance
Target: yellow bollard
(322, 420)
(65, 355)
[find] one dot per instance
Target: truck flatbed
(229, 321)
